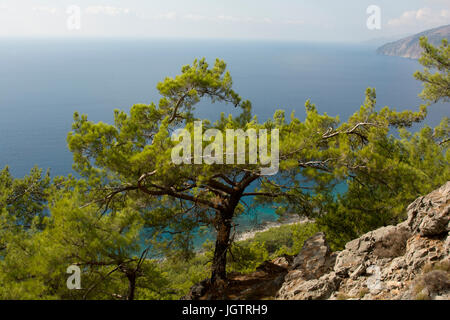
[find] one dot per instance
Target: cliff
(408, 261)
(410, 48)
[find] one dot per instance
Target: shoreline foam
(265, 226)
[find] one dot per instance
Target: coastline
(265, 226)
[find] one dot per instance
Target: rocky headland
(409, 47)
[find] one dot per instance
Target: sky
(299, 20)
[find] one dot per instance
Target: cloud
(243, 19)
(195, 17)
(265, 20)
(424, 17)
(170, 16)
(295, 22)
(225, 18)
(228, 18)
(166, 16)
(107, 10)
(47, 10)
(439, 2)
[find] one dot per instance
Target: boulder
(386, 242)
(317, 289)
(430, 215)
(310, 277)
(315, 258)
(284, 261)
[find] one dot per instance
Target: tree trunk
(131, 285)
(219, 264)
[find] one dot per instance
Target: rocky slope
(407, 261)
(409, 47)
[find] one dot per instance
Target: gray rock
(359, 271)
(430, 215)
(315, 258)
(386, 242)
(316, 289)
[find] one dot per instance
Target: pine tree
(130, 160)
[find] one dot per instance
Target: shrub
(363, 292)
(246, 257)
(431, 282)
(393, 245)
(437, 281)
(342, 296)
(286, 239)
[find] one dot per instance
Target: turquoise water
(42, 82)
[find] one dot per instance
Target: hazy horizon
(285, 20)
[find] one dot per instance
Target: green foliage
(104, 246)
(436, 85)
(183, 274)
(22, 215)
(301, 233)
(406, 168)
(288, 239)
(396, 168)
(132, 205)
(246, 257)
(131, 161)
(25, 198)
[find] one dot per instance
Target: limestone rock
(284, 261)
(315, 258)
(430, 215)
(316, 289)
(387, 242)
(309, 277)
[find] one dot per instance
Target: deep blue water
(42, 82)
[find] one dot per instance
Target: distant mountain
(409, 47)
(383, 40)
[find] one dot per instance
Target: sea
(44, 81)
